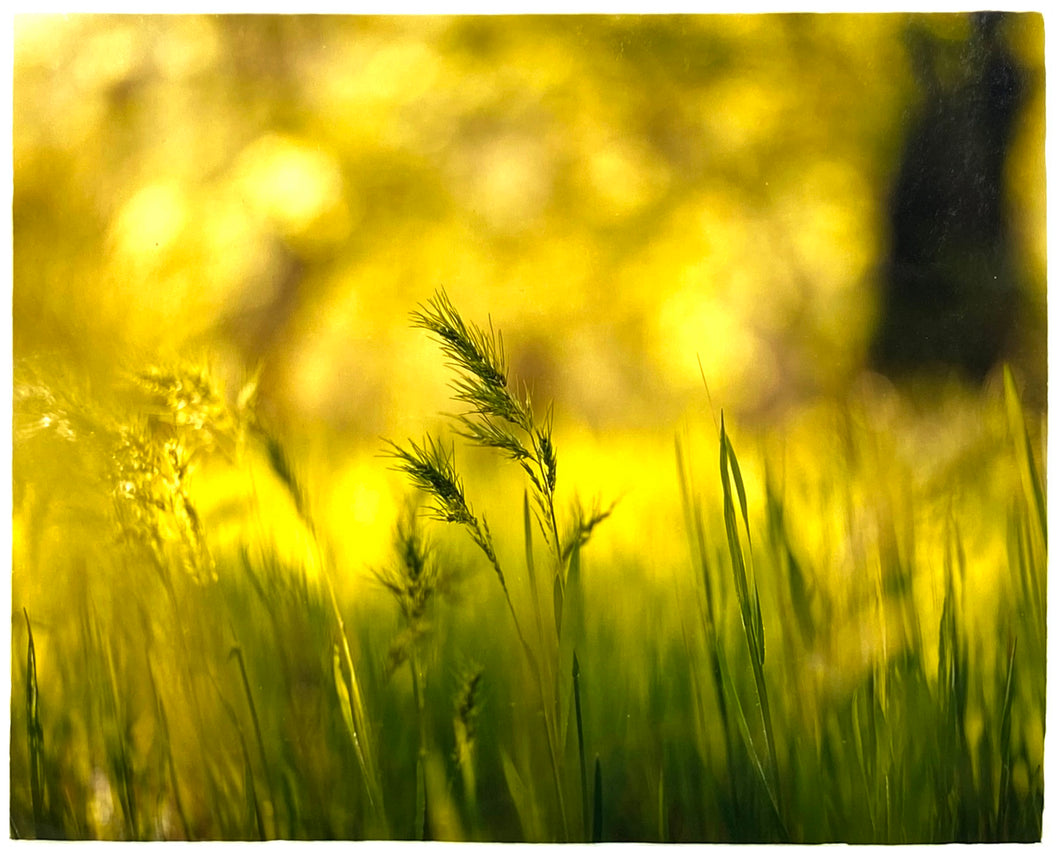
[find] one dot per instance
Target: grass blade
(34, 732)
(664, 820)
(1006, 746)
(598, 804)
(557, 603)
(750, 609)
(528, 547)
(581, 746)
(421, 753)
(523, 799)
(254, 817)
(1023, 448)
(237, 654)
(347, 710)
(167, 750)
(745, 733)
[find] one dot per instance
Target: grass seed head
(478, 358)
(432, 469)
(415, 578)
(468, 707)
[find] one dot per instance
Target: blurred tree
(952, 291)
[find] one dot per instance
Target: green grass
(835, 633)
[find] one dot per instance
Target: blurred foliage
(623, 193)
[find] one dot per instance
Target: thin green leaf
(598, 803)
(1023, 446)
(557, 603)
(346, 708)
(34, 731)
(1006, 743)
(581, 745)
(523, 799)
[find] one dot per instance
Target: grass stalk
(498, 419)
(464, 730)
(1005, 746)
(750, 607)
(118, 750)
(549, 725)
(34, 731)
(431, 469)
(237, 654)
(535, 595)
(598, 803)
(171, 767)
(351, 704)
(420, 818)
(698, 546)
(254, 814)
(581, 748)
(254, 817)
(756, 762)
(663, 828)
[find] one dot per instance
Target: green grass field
(831, 630)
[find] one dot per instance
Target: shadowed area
(953, 289)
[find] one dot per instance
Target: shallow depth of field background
(626, 199)
(644, 206)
